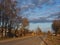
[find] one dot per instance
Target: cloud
(34, 8)
(49, 18)
(27, 6)
(40, 19)
(39, 2)
(34, 3)
(55, 15)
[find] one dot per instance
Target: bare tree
(8, 13)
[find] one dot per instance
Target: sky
(39, 11)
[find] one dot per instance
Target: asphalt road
(28, 41)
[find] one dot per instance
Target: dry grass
(53, 40)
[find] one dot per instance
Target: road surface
(28, 41)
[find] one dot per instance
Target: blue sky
(40, 10)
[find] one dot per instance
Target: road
(28, 41)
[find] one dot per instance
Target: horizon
(45, 27)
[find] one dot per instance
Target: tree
(25, 22)
(9, 18)
(17, 23)
(49, 32)
(56, 26)
(38, 31)
(8, 12)
(25, 25)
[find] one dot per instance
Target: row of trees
(9, 18)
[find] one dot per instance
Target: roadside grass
(5, 38)
(53, 40)
(16, 38)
